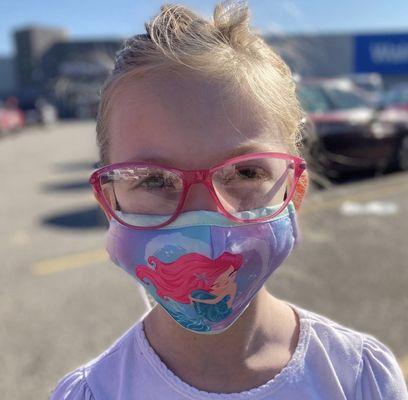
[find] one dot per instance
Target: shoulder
(380, 376)
(73, 386)
(98, 376)
(363, 366)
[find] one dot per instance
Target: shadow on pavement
(74, 185)
(89, 218)
(347, 178)
(75, 166)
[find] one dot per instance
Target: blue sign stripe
(385, 54)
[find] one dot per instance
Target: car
(396, 97)
(394, 107)
(352, 134)
(37, 110)
(11, 117)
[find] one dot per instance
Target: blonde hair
(224, 48)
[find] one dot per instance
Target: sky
(85, 19)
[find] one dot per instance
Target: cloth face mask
(203, 268)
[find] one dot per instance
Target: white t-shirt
(331, 362)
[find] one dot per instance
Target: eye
(248, 173)
(251, 173)
(157, 181)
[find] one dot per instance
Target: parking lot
(63, 301)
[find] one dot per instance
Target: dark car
(394, 108)
(351, 134)
(38, 110)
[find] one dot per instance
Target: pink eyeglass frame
(191, 177)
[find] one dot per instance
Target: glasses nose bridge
(196, 176)
(193, 177)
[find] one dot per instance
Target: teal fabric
(202, 217)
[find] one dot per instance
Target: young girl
(199, 132)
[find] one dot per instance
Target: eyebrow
(256, 147)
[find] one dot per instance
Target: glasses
(247, 188)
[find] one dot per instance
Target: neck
(268, 326)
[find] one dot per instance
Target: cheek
(109, 197)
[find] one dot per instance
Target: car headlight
(381, 129)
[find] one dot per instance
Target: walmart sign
(385, 54)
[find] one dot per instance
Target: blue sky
(121, 18)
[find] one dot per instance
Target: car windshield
(313, 99)
(396, 97)
(344, 100)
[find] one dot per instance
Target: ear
(301, 190)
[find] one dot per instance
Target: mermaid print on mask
(208, 285)
(204, 269)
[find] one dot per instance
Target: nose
(199, 198)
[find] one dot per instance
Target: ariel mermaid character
(209, 285)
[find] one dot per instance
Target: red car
(11, 117)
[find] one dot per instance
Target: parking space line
(363, 195)
(72, 261)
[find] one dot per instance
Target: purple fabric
(330, 362)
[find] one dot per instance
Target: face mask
(203, 268)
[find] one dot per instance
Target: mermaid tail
(212, 312)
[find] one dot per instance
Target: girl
(199, 131)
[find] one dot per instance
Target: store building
(329, 55)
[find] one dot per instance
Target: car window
(343, 100)
(396, 96)
(313, 99)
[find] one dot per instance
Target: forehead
(184, 121)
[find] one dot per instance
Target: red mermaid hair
(193, 271)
